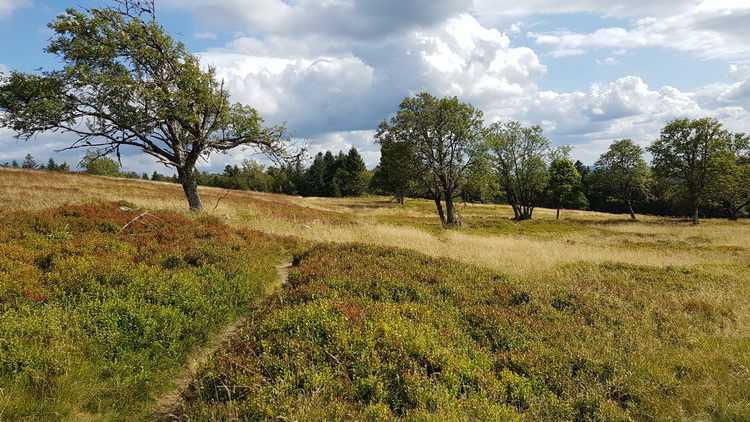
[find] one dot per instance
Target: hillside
(386, 315)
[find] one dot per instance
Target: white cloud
(8, 6)
(713, 29)
(493, 11)
(207, 35)
(609, 61)
(350, 89)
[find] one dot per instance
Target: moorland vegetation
(386, 315)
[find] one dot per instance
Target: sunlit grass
(676, 295)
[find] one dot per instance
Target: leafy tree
(621, 174)
(127, 83)
(14, 164)
(482, 185)
(28, 162)
(96, 163)
(564, 186)
(730, 187)
(445, 136)
(520, 156)
(689, 153)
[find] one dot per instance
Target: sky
(587, 71)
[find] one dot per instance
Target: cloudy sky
(587, 71)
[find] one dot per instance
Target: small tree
(396, 173)
(94, 162)
(621, 174)
(127, 83)
(28, 162)
(689, 153)
(520, 156)
(444, 136)
(565, 187)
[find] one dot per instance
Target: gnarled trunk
(190, 186)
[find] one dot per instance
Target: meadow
(385, 315)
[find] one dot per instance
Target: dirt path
(169, 406)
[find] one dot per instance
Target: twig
(133, 220)
(219, 200)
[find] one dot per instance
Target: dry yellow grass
(594, 238)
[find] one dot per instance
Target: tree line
(440, 148)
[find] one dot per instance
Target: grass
(591, 317)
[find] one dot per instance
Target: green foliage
(367, 333)
(28, 162)
(443, 136)
(689, 153)
(520, 156)
(335, 176)
(565, 187)
(96, 316)
(622, 174)
(132, 84)
(94, 162)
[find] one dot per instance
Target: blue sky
(588, 72)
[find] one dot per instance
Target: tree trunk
(630, 210)
(558, 213)
(190, 187)
(695, 216)
(450, 210)
(439, 205)
(400, 200)
(733, 214)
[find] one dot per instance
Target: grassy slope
(645, 320)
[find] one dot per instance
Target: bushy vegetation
(370, 333)
(101, 304)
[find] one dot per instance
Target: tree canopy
(444, 135)
(689, 153)
(520, 155)
(622, 174)
(127, 83)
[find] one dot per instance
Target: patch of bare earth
(169, 406)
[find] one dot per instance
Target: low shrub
(100, 304)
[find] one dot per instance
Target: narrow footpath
(169, 406)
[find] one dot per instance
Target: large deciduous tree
(127, 83)
(621, 174)
(689, 153)
(520, 155)
(444, 135)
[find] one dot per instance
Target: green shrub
(94, 317)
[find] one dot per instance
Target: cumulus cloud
(8, 6)
(344, 18)
(713, 29)
(318, 88)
